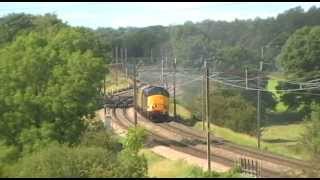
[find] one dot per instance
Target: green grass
(279, 139)
(277, 131)
(161, 167)
(181, 111)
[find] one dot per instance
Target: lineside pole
(162, 80)
(166, 77)
(258, 104)
(151, 57)
(246, 78)
(115, 67)
(135, 94)
(174, 90)
(104, 95)
(126, 63)
(203, 117)
(207, 117)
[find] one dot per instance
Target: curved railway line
(192, 133)
(193, 142)
(121, 118)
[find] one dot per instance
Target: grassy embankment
(161, 167)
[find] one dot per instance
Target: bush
(102, 138)
(96, 156)
(310, 140)
(230, 109)
(34, 139)
(131, 165)
(234, 112)
(63, 161)
(197, 172)
(135, 139)
(8, 154)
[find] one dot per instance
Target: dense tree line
(237, 44)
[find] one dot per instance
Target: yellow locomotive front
(157, 104)
(153, 102)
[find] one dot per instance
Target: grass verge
(161, 167)
(279, 139)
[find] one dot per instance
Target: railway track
(192, 133)
(121, 117)
(199, 137)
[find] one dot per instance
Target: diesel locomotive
(153, 102)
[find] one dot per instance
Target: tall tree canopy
(300, 60)
(50, 79)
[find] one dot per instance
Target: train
(153, 102)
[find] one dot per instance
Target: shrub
(63, 161)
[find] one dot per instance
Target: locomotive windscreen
(155, 90)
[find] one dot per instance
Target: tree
(300, 62)
(135, 139)
(237, 58)
(310, 140)
(131, 163)
(234, 112)
(51, 79)
(229, 109)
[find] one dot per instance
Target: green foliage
(51, 76)
(300, 62)
(34, 139)
(311, 137)
(14, 25)
(62, 161)
(98, 155)
(310, 140)
(102, 139)
(299, 57)
(229, 109)
(8, 154)
(197, 172)
(135, 139)
(214, 39)
(237, 57)
(131, 163)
